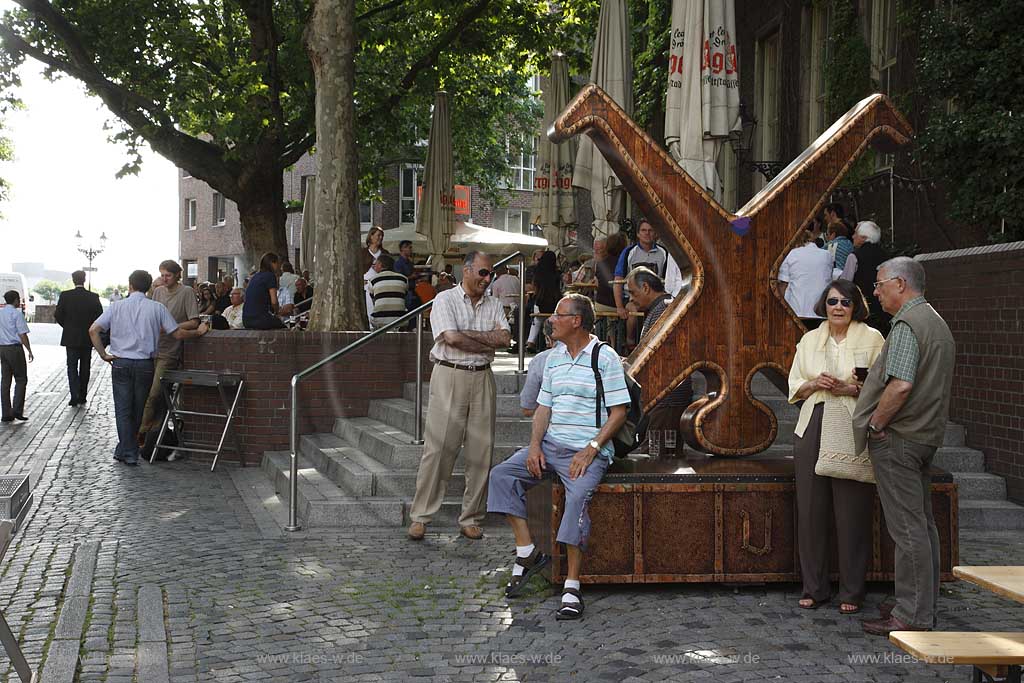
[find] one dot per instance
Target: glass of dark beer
(860, 366)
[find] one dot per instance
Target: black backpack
(629, 435)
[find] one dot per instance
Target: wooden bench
(993, 655)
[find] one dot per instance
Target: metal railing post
(417, 438)
(293, 478)
(522, 313)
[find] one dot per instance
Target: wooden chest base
(708, 519)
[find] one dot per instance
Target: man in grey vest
(901, 416)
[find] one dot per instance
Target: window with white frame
(512, 220)
(219, 216)
(884, 43)
(523, 164)
(821, 15)
(767, 92)
(408, 194)
(365, 213)
(191, 269)
(191, 211)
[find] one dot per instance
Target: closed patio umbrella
(612, 70)
(437, 209)
(308, 244)
(554, 203)
(703, 105)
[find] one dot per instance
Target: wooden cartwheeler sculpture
(733, 323)
(711, 518)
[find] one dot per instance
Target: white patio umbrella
(437, 209)
(554, 203)
(703, 104)
(612, 70)
(473, 235)
(308, 243)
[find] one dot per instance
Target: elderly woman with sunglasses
(823, 371)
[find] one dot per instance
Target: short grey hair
(642, 275)
(240, 291)
(906, 268)
(872, 233)
(583, 307)
(471, 257)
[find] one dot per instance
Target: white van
(16, 281)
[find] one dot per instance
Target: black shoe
(72, 403)
(6, 419)
(20, 417)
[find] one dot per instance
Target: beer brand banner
(554, 204)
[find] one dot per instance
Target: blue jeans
(131, 380)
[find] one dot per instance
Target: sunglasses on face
(833, 301)
(484, 273)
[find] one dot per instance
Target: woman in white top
(822, 370)
(374, 248)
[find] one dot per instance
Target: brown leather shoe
(417, 531)
(883, 627)
(473, 533)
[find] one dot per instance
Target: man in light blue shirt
(566, 439)
(135, 324)
(13, 335)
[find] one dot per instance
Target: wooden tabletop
(953, 647)
(1005, 581)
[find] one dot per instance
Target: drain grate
(15, 497)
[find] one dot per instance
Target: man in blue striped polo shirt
(565, 440)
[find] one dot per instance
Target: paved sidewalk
(170, 572)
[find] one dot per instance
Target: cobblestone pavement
(170, 572)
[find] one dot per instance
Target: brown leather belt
(467, 368)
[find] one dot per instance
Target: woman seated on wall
(832, 480)
(259, 312)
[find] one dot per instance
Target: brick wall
(977, 291)
(267, 361)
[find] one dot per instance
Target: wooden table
(962, 647)
(1005, 581)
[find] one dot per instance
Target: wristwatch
(594, 444)
(873, 429)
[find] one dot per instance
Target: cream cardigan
(810, 362)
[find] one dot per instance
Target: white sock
(522, 551)
(569, 597)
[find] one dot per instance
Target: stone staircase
(364, 472)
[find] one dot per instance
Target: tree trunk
(261, 210)
(338, 302)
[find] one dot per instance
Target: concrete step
(980, 486)
(507, 405)
(323, 504)
(398, 412)
(393, 447)
(959, 459)
(991, 515)
(362, 475)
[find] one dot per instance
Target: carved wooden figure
(733, 322)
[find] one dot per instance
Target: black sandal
(815, 604)
(531, 565)
(570, 610)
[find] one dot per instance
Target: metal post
(293, 483)
(417, 438)
(522, 314)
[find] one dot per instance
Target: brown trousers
(819, 500)
(461, 415)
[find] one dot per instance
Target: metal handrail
(293, 485)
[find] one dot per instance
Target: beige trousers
(160, 366)
(461, 414)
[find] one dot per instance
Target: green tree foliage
(848, 66)
(970, 76)
(49, 290)
(224, 88)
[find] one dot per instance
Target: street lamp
(743, 147)
(90, 252)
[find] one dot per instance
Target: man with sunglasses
(901, 416)
(467, 326)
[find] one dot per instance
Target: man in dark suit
(77, 309)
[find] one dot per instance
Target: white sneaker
(175, 455)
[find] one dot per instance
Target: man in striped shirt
(569, 439)
(468, 326)
(388, 289)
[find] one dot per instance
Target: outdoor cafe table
(1005, 581)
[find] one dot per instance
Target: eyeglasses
(484, 273)
(563, 315)
(833, 301)
(882, 282)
